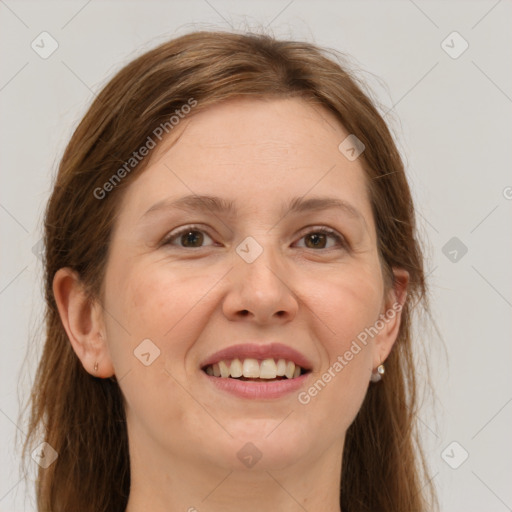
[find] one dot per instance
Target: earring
(96, 366)
(378, 374)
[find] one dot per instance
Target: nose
(261, 291)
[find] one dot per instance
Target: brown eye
(188, 238)
(318, 239)
(192, 238)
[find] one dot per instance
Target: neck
(172, 483)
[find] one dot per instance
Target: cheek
(152, 300)
(163, 307)
(348, 301)
(345, 305)
(158, 303)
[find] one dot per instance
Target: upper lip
(259, 351)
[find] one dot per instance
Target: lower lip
(258, 390)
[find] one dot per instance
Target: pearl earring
(96, 366)
(378, 374)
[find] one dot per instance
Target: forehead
(252, 151)
(263, 126)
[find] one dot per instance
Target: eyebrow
(215, 204)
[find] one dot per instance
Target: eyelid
(341, 239)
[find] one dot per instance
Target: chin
(263, 449)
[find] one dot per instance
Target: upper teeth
(252, 368)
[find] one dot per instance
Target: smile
(251, 369)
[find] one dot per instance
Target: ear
(83, 322)
(391, 315)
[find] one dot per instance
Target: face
(196, 281)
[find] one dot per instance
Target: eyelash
(323, 230)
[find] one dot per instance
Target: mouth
(257, 362)
(257, 371)
(254, 370)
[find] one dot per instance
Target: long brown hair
(82, 417)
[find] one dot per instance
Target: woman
(231, 266)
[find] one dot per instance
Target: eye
(191, 237)
(318, 237)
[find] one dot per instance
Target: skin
(184, 434)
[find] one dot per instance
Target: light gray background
(452, 119)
